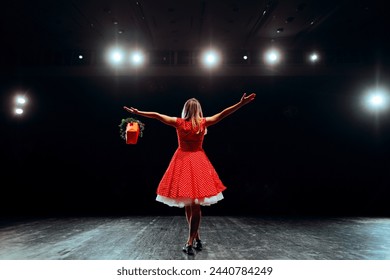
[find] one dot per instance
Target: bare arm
(153, 115)
(226, 112)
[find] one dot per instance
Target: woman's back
(189, 138)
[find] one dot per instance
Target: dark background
(305, 146)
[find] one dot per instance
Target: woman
(190, 181)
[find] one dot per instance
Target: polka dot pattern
(190, 176)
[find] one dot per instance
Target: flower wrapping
(132, 133)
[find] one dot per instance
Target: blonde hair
(192, 111)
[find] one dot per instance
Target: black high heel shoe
(188, 249)
(198, 245)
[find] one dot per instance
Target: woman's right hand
(246, 99)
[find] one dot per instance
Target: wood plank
(224, 237)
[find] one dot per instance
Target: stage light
(20, 100)
(314, 57)
(210, 58)
(376, 100)
(272, 56)
(245, 57)
(81, 56)
(18, 111)
(116, 56)
(136, 58)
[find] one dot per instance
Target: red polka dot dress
(190, 177)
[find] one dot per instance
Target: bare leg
(193, 215)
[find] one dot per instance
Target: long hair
(192, 111)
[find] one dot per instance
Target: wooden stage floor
(224, 237)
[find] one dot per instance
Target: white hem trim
(182, 201)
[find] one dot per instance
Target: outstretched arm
(153, 115)
(226, 112)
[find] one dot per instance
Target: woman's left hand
(131, 110)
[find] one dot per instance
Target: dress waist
(190, 146)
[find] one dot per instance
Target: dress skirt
(190, 179)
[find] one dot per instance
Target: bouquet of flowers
(130, 129)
